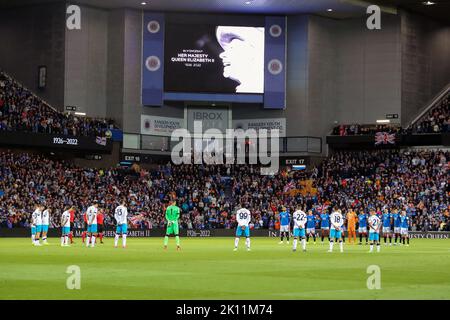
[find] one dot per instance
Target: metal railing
(299, 144)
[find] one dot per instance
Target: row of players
(333, 223)
(394, 225)
(94, 221)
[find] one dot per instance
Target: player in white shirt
(300, 220)
(243, 218)
(336, 221)
(65, 228)
(120, 215)
(45, 223)
(91, 214)
(374, 230)
(36, 224)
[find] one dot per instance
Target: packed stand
(357, 129)
(208, 195)
(437, 120)
(20, 110)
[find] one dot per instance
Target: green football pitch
(207, 268)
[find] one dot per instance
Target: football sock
(124, 240)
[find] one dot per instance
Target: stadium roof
(340, 8)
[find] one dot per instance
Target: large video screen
(214, 59)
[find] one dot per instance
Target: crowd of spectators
(415, 181)
(358, 129)
(21, 110)
(436, 120)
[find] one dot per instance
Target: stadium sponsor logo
(236, 146)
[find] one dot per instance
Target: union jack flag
(321, 208)
(289, 186)
(384, 138)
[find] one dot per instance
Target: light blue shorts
(38, 228)
(45, 228)
(92, 228)
(299, 232)
(65, 230)
(335, 234)
(122, 228)
(374, 236)
(246, 232)
(33, 230)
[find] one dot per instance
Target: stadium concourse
(415, 181)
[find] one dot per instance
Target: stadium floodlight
(384, 121)
(428, 3)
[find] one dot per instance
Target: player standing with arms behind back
(91, 214)
(65, 228)
(243, 218)
(285, 220)
(300, 220)
(45, 224)
(337, 221)
(374, 230)
(121, 214)
(172, 216)
(36, 225)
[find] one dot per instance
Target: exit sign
(392, 116)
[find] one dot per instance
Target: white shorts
(362, 230)
(325, 228)
(404, 231)
(284, 228)
(386, 229)
(397, 229)
(311, 230)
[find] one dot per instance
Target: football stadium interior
(224, 149)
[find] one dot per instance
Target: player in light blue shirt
(285, 220)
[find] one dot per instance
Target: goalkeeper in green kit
(172, 216)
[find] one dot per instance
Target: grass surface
(209, 269)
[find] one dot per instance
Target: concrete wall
(32, 36)
(425, 61)
(86, 63)
(368, 74)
